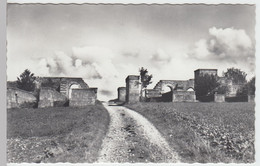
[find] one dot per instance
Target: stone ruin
(53, 92)
(176, 90)
(121, 91)
(132, 89)
(180, 91)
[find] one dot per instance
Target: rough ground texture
(57, 134)
(205, 132)
(132, 138)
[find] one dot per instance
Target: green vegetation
(205, 132)
(56, 134)
(236, 75)
(247, 89)
(26, 81)
(205, 84)
(145, 80)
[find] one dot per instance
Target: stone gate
(175, 85)
(62, 84)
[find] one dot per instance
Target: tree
(236, 75)
(205, 84)
(222, 89)
(145, 79)
(26, 81)
(247, 89)
(251, 86)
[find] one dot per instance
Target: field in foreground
(55, 134)
(205, 132)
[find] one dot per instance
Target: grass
(60, 134)
(205, 132)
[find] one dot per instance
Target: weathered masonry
(132, 89)
(49, 97)
(184, 85)
(172, 91)
(19, 98)
(230, 94)
(54, 92)
(83, 97)
(219, 98)
(121, 91)
(63, 85)
(180, 90)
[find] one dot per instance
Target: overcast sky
(105, 43)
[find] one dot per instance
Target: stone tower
(132, 89)
(121, 93)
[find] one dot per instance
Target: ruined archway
(167, 93)
(73, 86)
(190, 89)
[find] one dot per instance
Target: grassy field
(56, 134)
(205, 132)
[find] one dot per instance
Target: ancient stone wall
(201, 72)
(121, 93)
(19, 98)
(179, 85)
(62, 84)
(83, 97)
(132, 89)
(219, 98)
(49, 97)
(152, 93)
(66, 83)
(183, 96)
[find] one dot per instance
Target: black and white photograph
(130, 83)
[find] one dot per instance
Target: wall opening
(167, 95)
(73, 86)
(16, 98)
(190, 89)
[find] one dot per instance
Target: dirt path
(132, 138)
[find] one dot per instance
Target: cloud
(130, 54)
(160, 57)
(62, 64)
(87, 62)
(225, 45)
(94, 64)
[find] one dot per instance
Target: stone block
(49, 97)
(19, 98)
(183, 96)
(219, 98)
(121, 93)
(132, 89)
(83, 97)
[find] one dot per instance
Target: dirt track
(132, 138)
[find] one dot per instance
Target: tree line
(208, 84)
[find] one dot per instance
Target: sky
(104, 44)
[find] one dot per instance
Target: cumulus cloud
(62, 64)
(93, 64)
(86, 62)
(160, 57)
(230, 45)
(226, 44)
